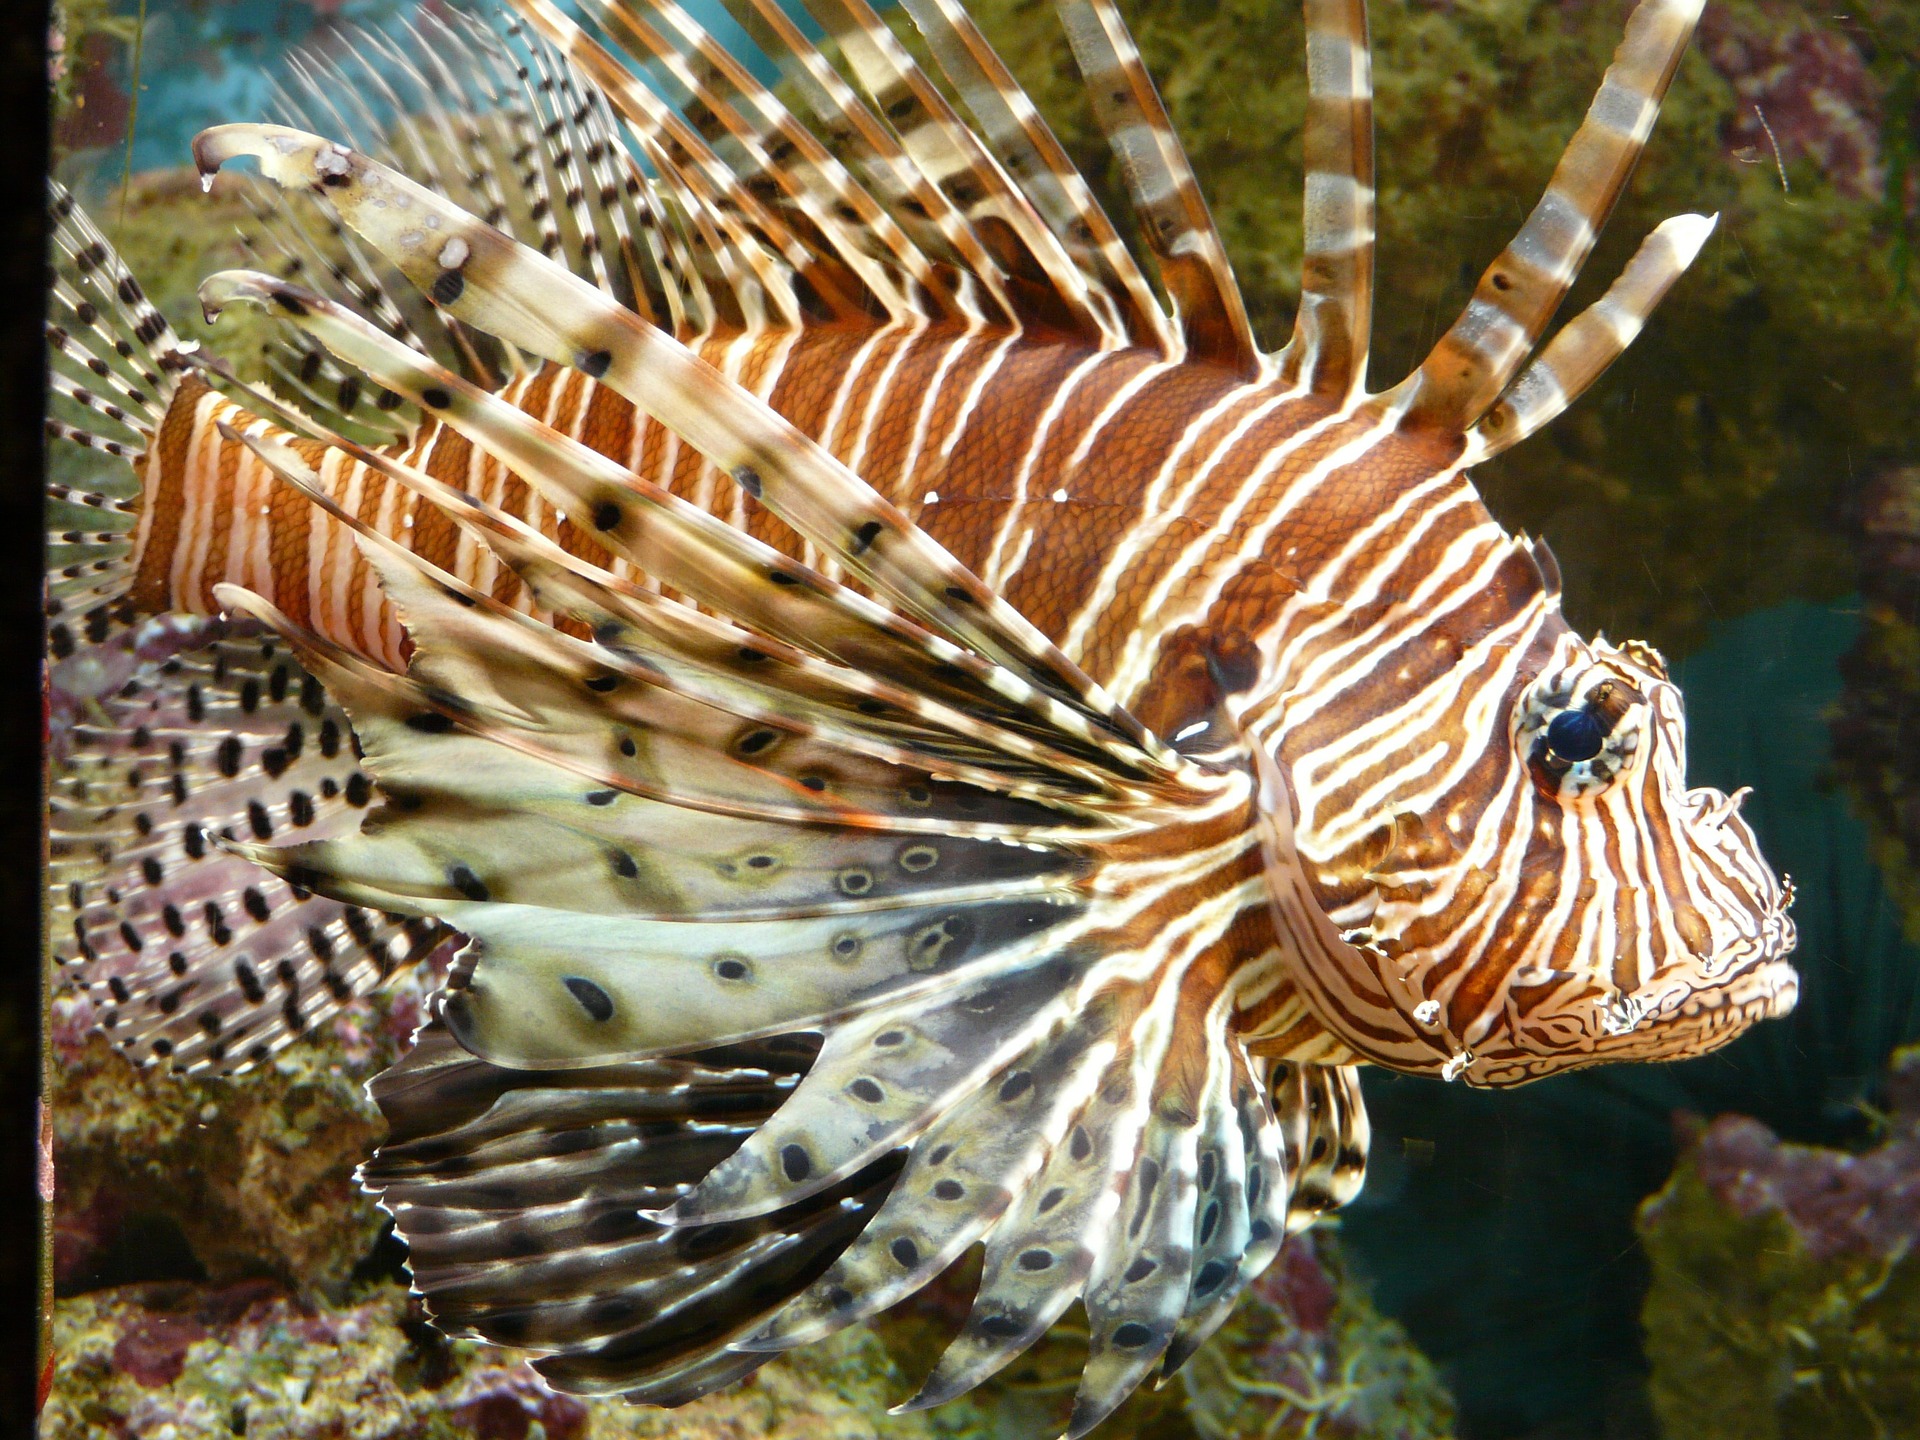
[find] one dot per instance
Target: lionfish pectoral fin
(482, 1171)
(193, 955)
(1593, 339)
(1485, 348)
(507, 289)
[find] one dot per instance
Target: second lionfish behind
(928, 743)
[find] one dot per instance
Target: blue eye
(1575, 735)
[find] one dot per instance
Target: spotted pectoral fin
(696, 553)
(552, 988)
(191, 953)
(521, 1196)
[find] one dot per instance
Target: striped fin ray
(687, 548)
(779, 258)
(521, 1196)
(503, 286)
(1032, 269)
(622, 205)
(192, 955)
(919, 206)
(1030, 153)
(1592, 340)
(1328, 352)
(777, 157)
(1174, 220)
(1480, 355)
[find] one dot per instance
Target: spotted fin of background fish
(864, 855)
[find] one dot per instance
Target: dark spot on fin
(595, 1001)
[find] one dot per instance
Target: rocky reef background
(1741, 490)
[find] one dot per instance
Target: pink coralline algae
(1837, 1203)
(1804, 89)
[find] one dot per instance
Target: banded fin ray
(828, 209)
(560, 1259)
(1174, 220)
(1334, 325)
(1029, 152)
(1516, 298)
(1587, 344)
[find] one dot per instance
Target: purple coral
(1803, 87)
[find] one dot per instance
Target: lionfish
(927, 741)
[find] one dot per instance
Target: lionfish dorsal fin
(1334, 326)
(1483, 351)
(799, 198)
(1587, 344)
(775, 154)
(497, 123)
(1028, 150)
(506, 288)
(924, 211)
(1175, 224)
(1033, 268)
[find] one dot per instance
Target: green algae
(1751, 1339)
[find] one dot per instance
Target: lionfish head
(1677, 926)
(1572, 900)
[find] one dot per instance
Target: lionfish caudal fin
(1027, 933)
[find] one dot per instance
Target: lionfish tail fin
(1328, 352)
(1592, 340)
(114, 364)
(1517, 296)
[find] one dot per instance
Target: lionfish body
(926, 746)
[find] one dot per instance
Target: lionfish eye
(1575, 735)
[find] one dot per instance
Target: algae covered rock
(1785, 1302)
(1306, 1356)
(1876, 735)
(199, 1362)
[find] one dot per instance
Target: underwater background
(1716, 1249)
